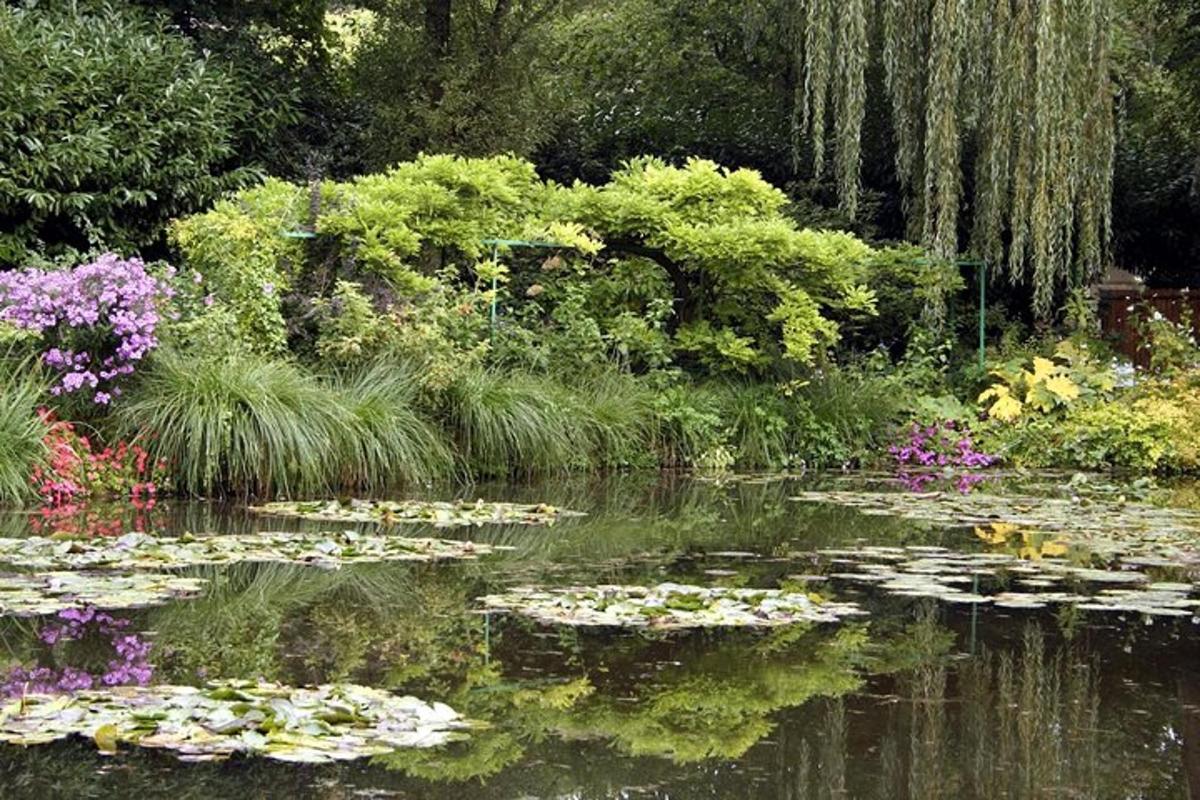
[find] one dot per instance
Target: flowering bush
(75, 471)
(1170, 344)
(98, 319)
(129, 662)
(941, 446)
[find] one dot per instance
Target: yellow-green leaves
(1052, 383)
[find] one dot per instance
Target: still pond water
(920, 699)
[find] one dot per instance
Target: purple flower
(130, 666)
(115, 297)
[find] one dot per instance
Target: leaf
(1062, 387)
(106, 737)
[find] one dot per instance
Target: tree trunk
(437, 33)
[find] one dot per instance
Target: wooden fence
(1120, 308)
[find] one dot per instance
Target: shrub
(848, 414)
(689, 429)
(1116, 434)
(756, 417)
(237, 256)
(113, 124)
(1053, 383)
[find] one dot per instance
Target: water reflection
(908, 705)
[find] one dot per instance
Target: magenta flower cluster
(931, 450)
(940, 445)
(99, 319)
(129, 665)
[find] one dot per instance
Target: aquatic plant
(439, 513)
(1008, 581)
(143, 551)
(668, 606)
(52, 592)
(98, 320)
(1097, 521)
(311, 726)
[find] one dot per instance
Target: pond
(939, 689)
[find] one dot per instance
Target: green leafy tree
(465, 76)
(111, 125)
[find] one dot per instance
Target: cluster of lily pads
(52, 592)
(438, 513)
(1063, 516)
(668, 606)
(1008, 581)
(312, 726)
(143, 551)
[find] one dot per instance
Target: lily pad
(313, 726)
(668, 606)
(142, 551)
(1138, 534)
(51, 592)
(984, 578)
(440, 514)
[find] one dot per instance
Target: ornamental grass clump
(21, 432)
(239, 423)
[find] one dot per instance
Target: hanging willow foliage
(1021, 85)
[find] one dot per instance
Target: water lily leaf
(142, 551)
(667, 606)
(51, 592)
(106, 738)
(232, 717)
(440, 514)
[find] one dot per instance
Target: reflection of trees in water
(1018, 724)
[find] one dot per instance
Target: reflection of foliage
(233, 630)
(721, 702)
(1023, 543)
(375, 629)
(516, 714)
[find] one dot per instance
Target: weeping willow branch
(1021, 86)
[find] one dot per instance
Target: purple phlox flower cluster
(130, 665)
(939, 446)
(115, 296)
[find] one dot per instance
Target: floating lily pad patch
(51, 592)
(441, 514)
(1027, 512)
(313, 726)
(1007, 581)
(668, 606)
(143, 551)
